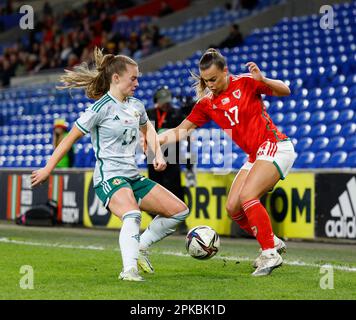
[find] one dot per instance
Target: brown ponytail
(95, 81)
(209, 58)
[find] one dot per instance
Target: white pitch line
(173, 253)
(44, 244)
(287, 262)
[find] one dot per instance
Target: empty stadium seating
(216, 18)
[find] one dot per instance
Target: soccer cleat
(280, 246)
(130, 275)
(144, 263)
(268, 262)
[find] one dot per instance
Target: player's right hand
(39, 176)
(159, 164)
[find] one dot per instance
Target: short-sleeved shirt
(239, 111)
(114, 129)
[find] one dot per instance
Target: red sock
(259, 222)
(241, 219)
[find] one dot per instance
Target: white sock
(130, 238)
(276, 240)
(161, 227)
(269, 252)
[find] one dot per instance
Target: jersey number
(129, 136)
(234, 111)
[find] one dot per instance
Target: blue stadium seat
(303, 130)
(303, 118)
(304, 159)
(239, 161)
(333, 130)
(79, 156)
(350, 144)
(321, 159)
(331, 116)
(338, 159)
(335, 144)
(319, 144)
(39, 149)
(317, 117)
(348, 129)
(302, 106)
(343, 103)
(346, 115)
(350, 80)
(277, 118)
(351, 160)
(315, 93)
(289, 118)
(303, 144)
(339, 80)
(141, 160)
(341, 92)
(318, 130)
(331, 104)
(290, 105)
(329, 92)
(290, 130)
(315, 105)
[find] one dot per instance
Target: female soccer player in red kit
(235, 104)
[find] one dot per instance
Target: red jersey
(239, 111)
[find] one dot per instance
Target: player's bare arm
(41, 175)
(150, 135)
(177, 133)
(279, 88)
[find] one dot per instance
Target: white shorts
(281, 154)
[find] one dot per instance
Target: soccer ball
(202, 242)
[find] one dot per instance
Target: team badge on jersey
(116, 182)
(237, 94)
(225, 100)
(136, 114)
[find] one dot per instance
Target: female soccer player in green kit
(114, 122)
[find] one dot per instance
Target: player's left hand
(255, 71)
(159, 164)
(39, 176)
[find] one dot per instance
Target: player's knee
(231, 208)
(182, 207)
(247, 195)
(183, 214)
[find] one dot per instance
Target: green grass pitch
(75, 263)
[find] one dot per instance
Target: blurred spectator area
(9, 15)
(62, 39)
(10, 9)
(319, 116)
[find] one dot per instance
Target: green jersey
(114, 129)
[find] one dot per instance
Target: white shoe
(130, 275)
(144, 262)
(268, 262)
(279, 245)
